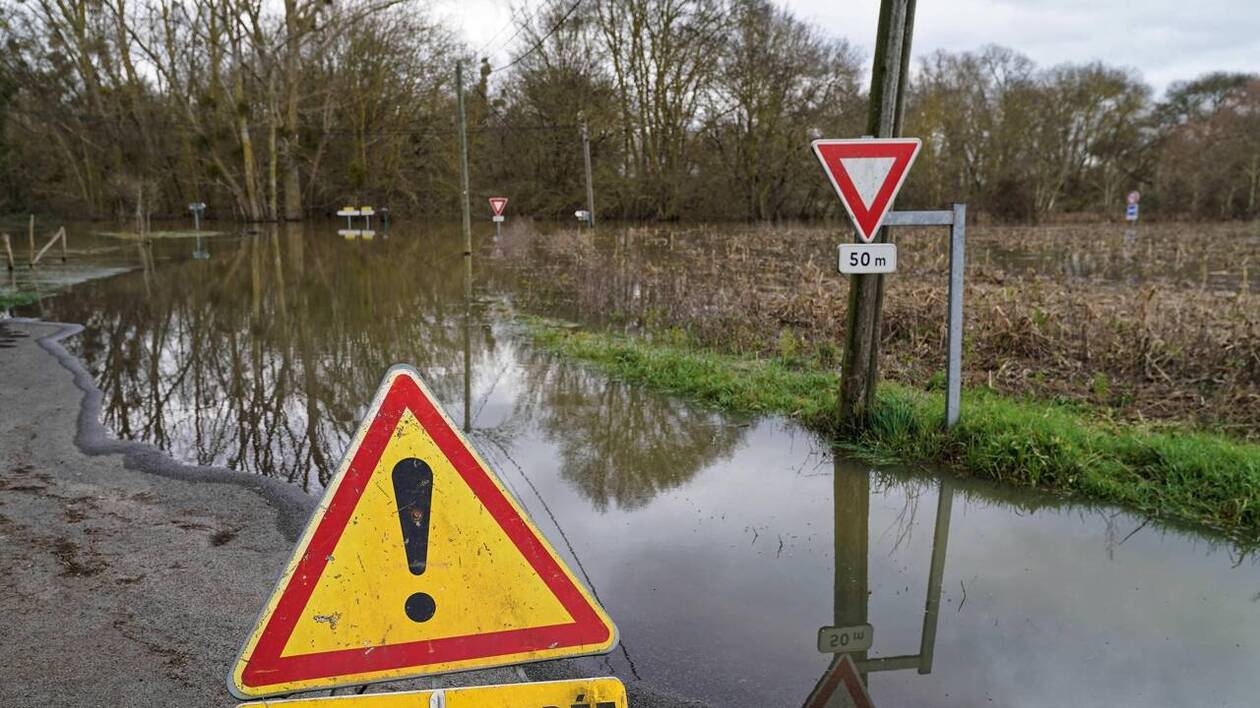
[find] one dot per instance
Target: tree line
(696, 109)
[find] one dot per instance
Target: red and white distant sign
(1135, 197)
(867, 173)
(498, 204)
(840, 687)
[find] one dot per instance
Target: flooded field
(1157, 324)
(719, 545)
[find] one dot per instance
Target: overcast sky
(1164, 40)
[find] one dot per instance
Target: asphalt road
(127, 578)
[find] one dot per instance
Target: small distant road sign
(348, 211)
(840, 687)
(837, 640)
(578, 693)
(498, 204)
(1131, 212)
(497, 218)
(583, 215)
(1134, 197)
(417, 561)
(867, 174)
(868, 258)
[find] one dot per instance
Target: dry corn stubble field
(1159, 323)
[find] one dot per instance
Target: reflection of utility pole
(852, 582)
(590, 186)
(467, 343)
(852, 519)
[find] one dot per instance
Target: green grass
(1177, 475)
(16, 299)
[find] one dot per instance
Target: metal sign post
(956, 219)
(497, 205)
(197, 208)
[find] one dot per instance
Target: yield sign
(498, 204)
(867, 174)
(416, 562)
(840, 687)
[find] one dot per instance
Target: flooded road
(719, 545)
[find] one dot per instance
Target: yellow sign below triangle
(578, 693)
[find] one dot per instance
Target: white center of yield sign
(868, 175)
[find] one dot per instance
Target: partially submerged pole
(590, 187)
(30, 232)
(463, 157)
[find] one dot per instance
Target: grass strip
(1178, 475)
(16, 299)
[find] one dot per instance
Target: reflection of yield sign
(867, 174)
(840, 687)
(498, 204)
(416, 562)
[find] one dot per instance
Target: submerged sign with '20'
(868, 257)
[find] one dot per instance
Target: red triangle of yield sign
(264, 666)
(498, 204)
(867, 174)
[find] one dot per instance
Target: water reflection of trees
(619, 443)
(265, 357)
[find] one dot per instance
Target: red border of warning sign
(267, 667)
(867, 218)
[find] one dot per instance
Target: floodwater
(719, 545)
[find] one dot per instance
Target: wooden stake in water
(8, 252)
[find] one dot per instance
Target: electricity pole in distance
(463, 156)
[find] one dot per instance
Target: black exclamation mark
(413, 489)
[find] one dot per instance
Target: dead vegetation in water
(1160, 325)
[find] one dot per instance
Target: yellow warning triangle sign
(417, 561)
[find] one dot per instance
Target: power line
(520, 28)
(544, 38)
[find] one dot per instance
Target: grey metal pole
(463, 156)
(957, 262)
(590, 186)
(940, 544)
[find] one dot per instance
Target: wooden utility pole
(889, 77)
(590, 187)
(463, 157)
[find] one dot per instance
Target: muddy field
(1158, 323)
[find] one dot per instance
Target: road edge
(293, 506)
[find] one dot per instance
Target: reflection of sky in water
(1056, 613)
(709, 540)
